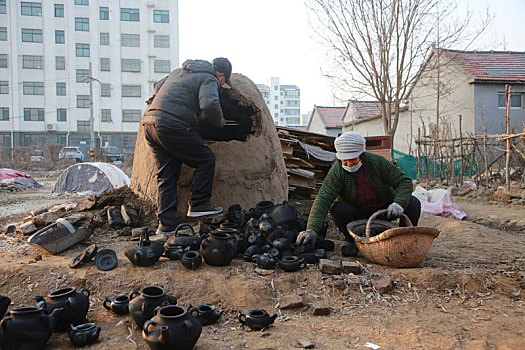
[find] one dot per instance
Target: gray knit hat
(349, 145)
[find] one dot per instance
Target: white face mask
(352, 169)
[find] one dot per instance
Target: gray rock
(47, 218)
(383, 284)
(305, 344)
(329, 266)
(291, 301)
(321, 308)
(351, 267)
(27, 228)
(73, 219)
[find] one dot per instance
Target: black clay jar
(174, 252)
(281, 244)
(256, 319)
(290, 263)
(285, 214)
(241, 243)
(172, 328)
(119, 304)
(263, 207)
(84, 334)
(146, 253)
(182, 239)
(27, 328)
(218, 248)
(191, 259)
(266, 261)
(4, 304)
(142, 304)
(206, 313)
(75, 306)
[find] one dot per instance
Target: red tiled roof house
(326, 120)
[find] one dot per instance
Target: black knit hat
(223, 65)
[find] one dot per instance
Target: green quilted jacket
(389, 182)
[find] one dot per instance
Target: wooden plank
(302, 172)
(287, 149)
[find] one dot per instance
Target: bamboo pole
(508, 90)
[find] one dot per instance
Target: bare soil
(467, 294)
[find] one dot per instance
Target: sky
(272, 38)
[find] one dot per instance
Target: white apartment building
(283, 101)
(46, 49)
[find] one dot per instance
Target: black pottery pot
(181, 239)
(119, 304)
(266, 261)
(142, 304)
(191, 259)
(75, 306)
(285, 214)
(174, 252)
(206, 313)
(146, 253)
(172, 328)
(256, 319)
(241, 243)
(218, 248)
(4, 304)
(250, 252)
(290, 263)
(84, 334)
(27, 328)
(263, 207)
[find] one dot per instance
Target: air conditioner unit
(150, 4)
(51, 127)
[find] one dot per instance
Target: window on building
(161, 41)
(83, 126)
(161, 66)
(129, 141)
(130, 40)
(105, 115)
(103, 13)
(33, 88)
(34, 114)
(275, 106)
(82, 50)
(61, 115)
(104, 64)
(130, 65)
(3, 6)
(62, 139)
(82, 2)
(129, 15)
(4, 113)
(105, 90)
(82, 75)
(104, 39)
(292, 93)
(131, 91)
(59, 10)
(61, 89)
(31, 9)
(60, 37)
(515, 100)
(3, 33)
(60, 63)
(82, 24)
(276, 115)
(3, 60)
(161, 16)
(31, 35)
(4, 87)
(276, 98)
(275, 87)
(31, 139)
(32, 62)
(281, 102)
(82, 101)
(131, 115)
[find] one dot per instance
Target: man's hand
(394, 211)
(306, 237)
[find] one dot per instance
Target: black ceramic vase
(27, 328)
(218, 248)
(256, 319)
(84, 334)
(142, 304)
(146, 253)
(172, 328)
(119, 304)
(75, 306)
(206, 313)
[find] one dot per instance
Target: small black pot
(256, 319)
(119, 304)
(174, 252)
(266, 261)
(290, 263)
(206, 313)
(179, 239)
(191, 259)
(84, 334)
(250, 252)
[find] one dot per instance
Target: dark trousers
(343, 213)
(171, 148)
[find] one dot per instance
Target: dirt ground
(467, 294)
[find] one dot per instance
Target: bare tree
(377, 46)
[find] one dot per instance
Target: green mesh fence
(406, 163)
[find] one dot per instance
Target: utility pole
(91, 118)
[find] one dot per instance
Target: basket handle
(379, 212)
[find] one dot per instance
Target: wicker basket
(396, 247)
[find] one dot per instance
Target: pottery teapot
(256, 319)
(206, 313)
(172, 328)
(241, 243)
(119, 304)
(146, 253)
(182, 239)
(27, 328)
(142, 304)
(218, 248)
(75, 306)
(84, 334)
